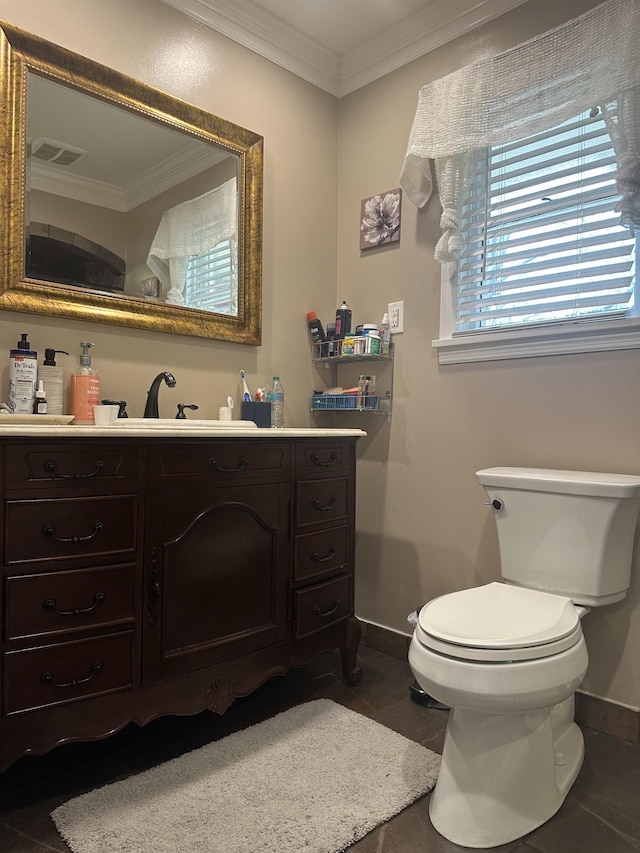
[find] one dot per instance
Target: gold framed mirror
(97, 232)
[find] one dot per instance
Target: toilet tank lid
(565, 482)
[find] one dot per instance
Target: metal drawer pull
(47, 677)
(313, 555)
(332, 460)
(333, 500)
(242, 464)
(51, 467)
(330, 612)
(50, 530)
(52, 604)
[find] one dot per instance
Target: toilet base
(504, 775)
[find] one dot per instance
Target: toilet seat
(498, 622)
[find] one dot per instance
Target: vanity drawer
(74, 600)
(321, 605)
(321, 501)
(320, 553)
(66, 672)
(67, 528)
(221, 461)
(73, 469)
(323, 458)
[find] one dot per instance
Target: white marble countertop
(182, 428)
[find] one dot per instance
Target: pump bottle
(52, 378)
(85, 388)
(23, 374)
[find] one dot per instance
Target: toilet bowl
(507, 657)
(511, 733)
(499, 648)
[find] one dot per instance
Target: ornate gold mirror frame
(22, 53)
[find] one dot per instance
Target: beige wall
(422, 529)
(161, 47)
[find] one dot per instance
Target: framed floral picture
(380, 219)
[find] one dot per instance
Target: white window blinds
(539, 84)
(543, 241)
(211, 281)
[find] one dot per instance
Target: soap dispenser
(52, 378)
(85, 388)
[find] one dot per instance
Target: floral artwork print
(380, 219)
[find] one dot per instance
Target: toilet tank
(565, 532)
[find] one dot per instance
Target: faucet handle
(181, 407)
(122, 411)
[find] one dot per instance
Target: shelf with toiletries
(359, 389)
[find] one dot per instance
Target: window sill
(593, 336)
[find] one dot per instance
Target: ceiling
(341, 45)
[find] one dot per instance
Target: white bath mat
(315, 778)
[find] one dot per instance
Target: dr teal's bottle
(85, 388)
(23, 375)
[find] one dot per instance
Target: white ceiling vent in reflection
(53, 151)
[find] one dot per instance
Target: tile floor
(600, 815)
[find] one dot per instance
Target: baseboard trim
(593, 712)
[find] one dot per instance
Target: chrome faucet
(151, 409)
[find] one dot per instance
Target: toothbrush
(245, 391)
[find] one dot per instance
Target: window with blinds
(211, 281)
(543, 239)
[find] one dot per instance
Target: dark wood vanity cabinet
(145, 576)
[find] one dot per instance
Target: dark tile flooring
(601, 813)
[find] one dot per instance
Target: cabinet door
(216, 575)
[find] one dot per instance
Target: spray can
(23, 375)
(343, 321)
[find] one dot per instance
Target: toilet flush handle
(496, 503)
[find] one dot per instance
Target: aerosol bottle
(343, 321)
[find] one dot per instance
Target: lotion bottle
(85, 388)
(52, 378)
(23, 374)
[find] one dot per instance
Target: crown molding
(418, 35)
(172, 171)
(267, 36)
(276, 41)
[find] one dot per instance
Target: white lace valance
(189, 229)
(591, 60)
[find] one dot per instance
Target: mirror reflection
(123, 204)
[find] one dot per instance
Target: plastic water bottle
(275, 396)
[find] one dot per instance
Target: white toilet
(508, 657)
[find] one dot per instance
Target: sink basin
(173, 424)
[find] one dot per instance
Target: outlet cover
(395, 311)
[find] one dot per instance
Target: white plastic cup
(105, 415)
(224, 413)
